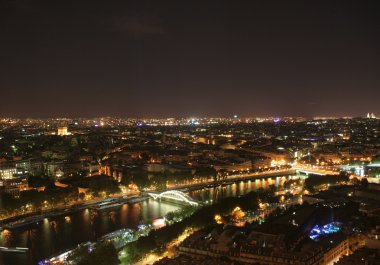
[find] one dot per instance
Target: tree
(8, 202)
(364, 182)
(206, 172)
(81, 196)
(103, 253)
(38, 181)
(314, 180)
(103, 183)
(32, 196)
(144, 157)
(141, 180)
(77, 254)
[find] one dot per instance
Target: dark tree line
(102, 254)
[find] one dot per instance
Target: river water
(54, 235)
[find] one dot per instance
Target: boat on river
(24, 222)
(14, 249)
(106, 206)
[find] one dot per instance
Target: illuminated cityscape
(124, 180)
(212, 132)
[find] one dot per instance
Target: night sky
(189, 58)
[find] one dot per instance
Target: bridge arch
(174, 195)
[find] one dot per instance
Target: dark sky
(189, 58)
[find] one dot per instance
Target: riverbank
(36, 217)
(65, 232)
(30, 218)
(154, 246)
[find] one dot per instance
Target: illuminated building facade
(62, 131)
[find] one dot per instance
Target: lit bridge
(174, 195)
(315, 170)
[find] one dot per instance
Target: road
(315, 170)
(232, 178)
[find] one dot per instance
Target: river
(57, 234)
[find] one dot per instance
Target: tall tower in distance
(371, 116)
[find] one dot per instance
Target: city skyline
(201, 58)
(189, 132)
(231, 115)
(286, 182)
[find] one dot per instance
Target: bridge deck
(174, 195)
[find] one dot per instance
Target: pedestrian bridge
(174, 195)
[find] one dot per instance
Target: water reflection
(57, 234)
(237, 189)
